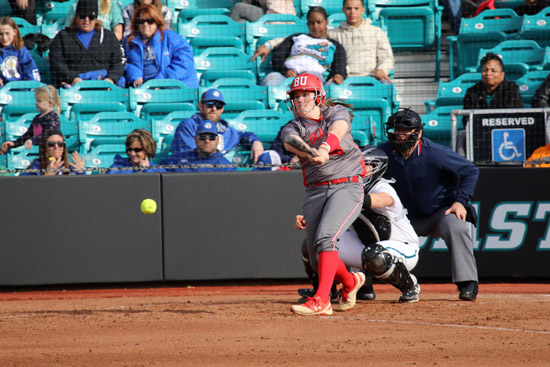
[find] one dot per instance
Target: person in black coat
(493, 91)
(85, 50)
(542, 94)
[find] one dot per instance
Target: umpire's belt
(336, 181)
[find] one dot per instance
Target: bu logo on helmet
(300, 80)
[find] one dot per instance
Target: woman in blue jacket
(16, 62)
(140, 147)
(154, 52)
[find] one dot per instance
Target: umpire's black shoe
(468, 290)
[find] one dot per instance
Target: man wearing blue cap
(211, 108)
(205, 157)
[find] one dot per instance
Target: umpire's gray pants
(458, 238)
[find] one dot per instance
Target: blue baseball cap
(207, 126)
(212, 95)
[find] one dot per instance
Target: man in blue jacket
(435, 184)
(211, 107)
(205, 157)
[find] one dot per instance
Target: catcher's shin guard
(380, 262)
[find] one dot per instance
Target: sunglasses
(143, 21)
(135, 150)
(210, 137)
(52, 144)
(219, 105)
(84, 16)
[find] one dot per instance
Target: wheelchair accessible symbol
(508, 145)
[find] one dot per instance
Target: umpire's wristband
(367, 202)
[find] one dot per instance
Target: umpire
(435, 184)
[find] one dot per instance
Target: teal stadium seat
(486, 30)
(5, 9)
(53, 11)
(452, 93)
(209, 77)
(17, 99)
(188, 9)
(89, 97)
(51, 29)
(331, 6)
(519, 57)
(108, 128)
(273, 26)
(411, 24)
(163, 132)
(437, 124)
(205, 31)
(223, 58)
(537, 27)
(101, 156)
(239, 95)
(43, 65)
(264, 123)
(25, 27)
(369, 116)
(365, 87)
(529, 83)
(277, 95)
(156, 98)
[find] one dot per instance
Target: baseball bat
(299, 145)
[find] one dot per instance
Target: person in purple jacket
(211, 108)
(435, 184)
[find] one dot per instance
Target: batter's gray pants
(458, 238)
(329, 211)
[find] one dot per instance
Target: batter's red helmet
(308, 82)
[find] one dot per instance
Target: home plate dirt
(251, 325)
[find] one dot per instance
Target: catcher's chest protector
(372, 227)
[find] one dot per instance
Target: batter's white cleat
(313, 306)
(347, 301)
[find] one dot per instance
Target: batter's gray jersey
(344, 162)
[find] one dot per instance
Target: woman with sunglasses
(85, 50)
(154, 52)
(140, 147)
(53, 158)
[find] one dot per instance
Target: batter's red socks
(328, 264)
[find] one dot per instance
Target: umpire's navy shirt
(431, 178)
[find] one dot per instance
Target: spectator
(141, 148)
(25, 9)
(252, 10)
(154, 52)
(540, 157)
(16, 62)
(110, 16)
(309, 53)
(453, 9)
(435, 185)
(542, 94)
(493, 91)
(368, 50)
(532, 7)
(128, 13)
(85, 50)
(205, 157)
(48, 104)
(53, 158)
(211, 108)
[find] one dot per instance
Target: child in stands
(47, 103)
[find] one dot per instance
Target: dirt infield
(509, 325)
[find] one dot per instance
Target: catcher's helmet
(405, 119)
(308, 82)
(378, 160)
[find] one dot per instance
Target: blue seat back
(188, 9)
(223, 58)
(411, 28)
(437, 124)
(369, 116)
(452, 92)
(211, 26)
(364, 88)
(264, 123)
(102, 155)
(236, 90)
(529, 83)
